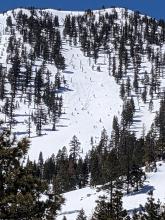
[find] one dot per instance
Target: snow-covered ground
(90, 99)
(85, 198)
(90, 102)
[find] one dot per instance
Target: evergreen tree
(95, 169)
(29, 126)
(122, 90)
(82, 172)
(128, 86)
(105, 210)
(115, 134)
(128, 113)
(144, 95)
(152, 209)
(20, 190)
(81, 215)
(62, 171)
(40, 165)
(75, 148)
(137, 177)
(135, 82)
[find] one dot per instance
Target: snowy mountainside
(82, 95)
(86, 198)
(86, 114)
(91, 95)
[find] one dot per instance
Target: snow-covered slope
(90, 102)
(85, 198)
(90, 97)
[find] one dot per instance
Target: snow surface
(91, 101)
(91, 98)
(85, 198)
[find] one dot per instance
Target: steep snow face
(86, 198)
(90, 98)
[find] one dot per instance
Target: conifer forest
(82, 115)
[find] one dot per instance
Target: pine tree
(9, 21)
(151, 211)
(40, 120)
(122, 90)
(115, 135)
(81, 215)
(75, 148)
(20, 190)
(128, 86)
(136, 216)
(128, 113)
(137, 177)
(119, 212)
(102, 210)
(29, 126)
(82, 172)
(95, 169)
(40, 165)
(144, 95)
(105, 210)
(151, 105)
(160, 125)
(135, 82)
(62, 171)
(103, 144)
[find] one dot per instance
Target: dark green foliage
(128, 86)
(144, 95)
(113, 210)
(81, 215)
(95, 168)
(128, 113)
(46, 45)
(82, 172)
(160, 124)
(122, 91)
(137, 177)
(151, 211)
(123, 156)
(65, 173)
(115, 135)
(9, 21)
(20, 190)
(135, 82)
(150, 149)
(75, 148)
(113, 161)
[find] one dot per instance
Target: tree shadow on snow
(136, 120)
(18, 133)
(63, 89)
(146, 189)
(68, 72)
